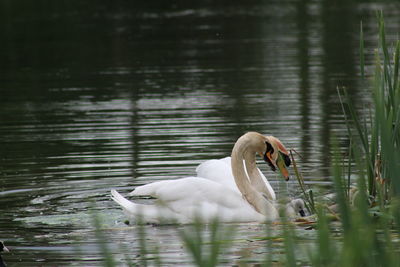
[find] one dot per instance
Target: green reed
(377, 144)
(307, 193)
(108, 259)
(369, 228)
(206, 251)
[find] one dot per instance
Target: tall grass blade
(340, 189)
(308, 195)
(206, 252)
(362, 60)
(324, 254)
(361, 129)
(141, 233)
(108, 259)
(396, 67)
(289, 242)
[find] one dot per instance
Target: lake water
(97, 96)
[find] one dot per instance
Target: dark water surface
(97, 96)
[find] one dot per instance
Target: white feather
(220, 171)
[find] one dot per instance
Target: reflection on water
(117, 95)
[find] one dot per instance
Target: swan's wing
(195, 197)
(219, 171)
(192, 189)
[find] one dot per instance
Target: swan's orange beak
(280, 162)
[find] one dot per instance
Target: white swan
(240, 195)
(2, 249)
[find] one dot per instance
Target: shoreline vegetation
(367, 221)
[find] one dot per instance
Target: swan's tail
(126, 204)
(140, 213)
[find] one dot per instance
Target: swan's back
(220, 171)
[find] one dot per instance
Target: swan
(3, 248)
(238, 194)
(295, 208)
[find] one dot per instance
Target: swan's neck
(244, 149)
(256, 180)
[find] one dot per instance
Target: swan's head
(268, 147)
(3, 248)
(277, 156)
(298, 207)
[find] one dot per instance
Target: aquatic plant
(368, 227)
(207, 251)
(306, 193)
(376, 145)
